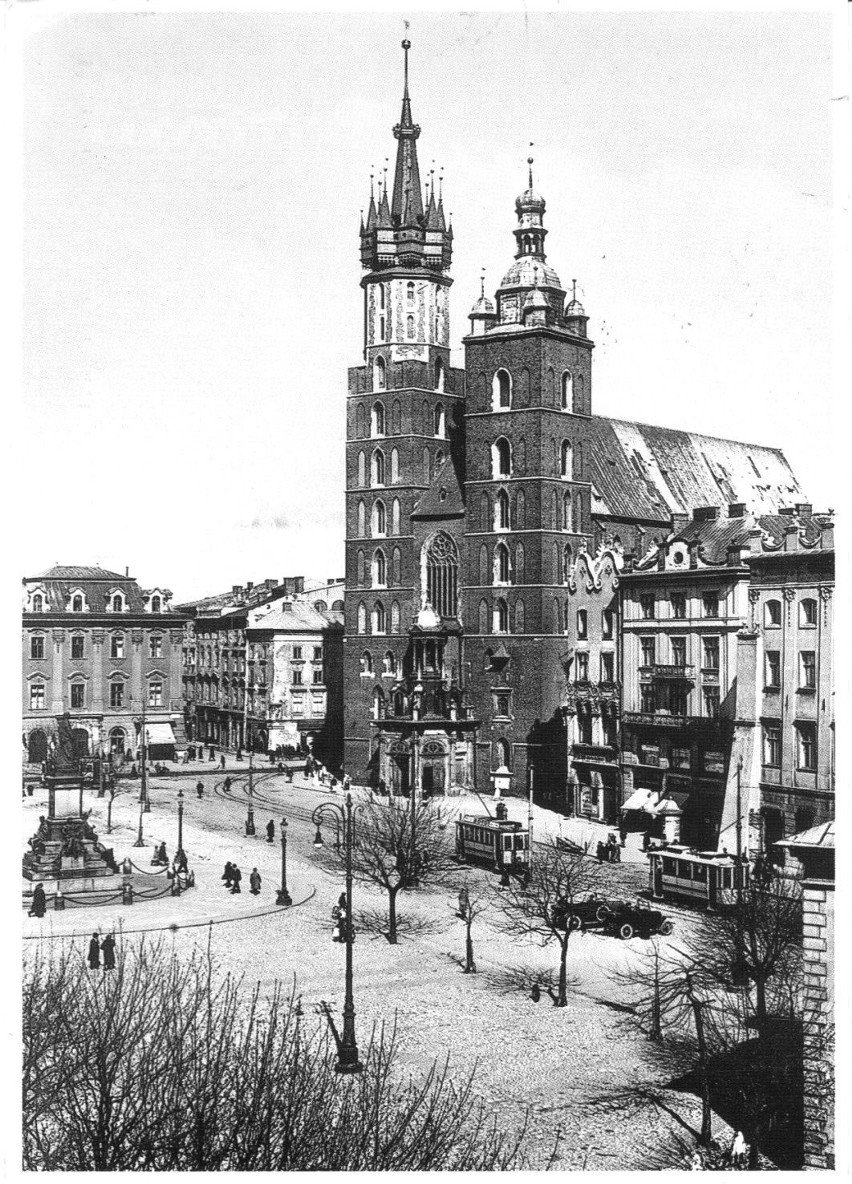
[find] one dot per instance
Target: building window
(77, 604)
(501, 456)
(607, 668)
(366, 662)
(648, 649)
(77, 646)
(607, 624)
(807, 612)
(646, 695)
(378, 467)
(772, 612)
(503, 705)
(710, 653)
(807, 670)
(377, 420)
(296, 676)
(297, 653)
(380, 570)
(501, 391)
(581, 673)
(680, 758)
(155, 694)
(116, 646)
(317, 653)
(710, 604)
(772, 744)
(319, 677)
(501, 564)
(298, 705)
(678, 650)
(409, 325)
(773, 669)
(501, 510)
(566, 462)
(118, 603)
(711, 702)
(37, 646)
(439, 420)
(567, 512)
(442, 575)
(37, 696)
(501, 617)
(647, 606)
(378, 617)
(678, 603)
(78, 696)
(806, 735)
(582, 623)
(362, 617)
(155, 604)
(116, 694)
(155, 646)
(379, 367)
(567, 391)
(38, 603)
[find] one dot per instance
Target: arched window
(410, 291)
(362, 617)
(439, 420)
(501, 458)
(567, 465)
(442, 575)
(557, 616)
(380, 519)
(483, 564)
(362, 518)
(483, 616)
(579, 394)
(362, 469)
(77, 604)
(807, 612)
(484, 512)
(366, 662)
(118, 603)
(520, 511)
(155, 604)
(337, 606)
(567, 559)
(501, 564)
(394, 617)
(378, 617)
(578, 463)
(321, 606)
(378, 467)
(501, 616)
(501, 510)
(578, 511)
(394, 466)
(396, 418)
(359, 422)
(395, 516)
(38, 603)
(377, 419)
(378, 703)
(566, 623)
(440, 376)
(360, 568)
(396, 566)
(504, 754)
(567, 391)
(567, 516)
(388, 663)
(520, 617)
(501, 390)
(380, 570)
(380, 375)
(772, 612)
(520, 564)
(409, 327)
(520, 458)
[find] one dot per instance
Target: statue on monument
(64, 756)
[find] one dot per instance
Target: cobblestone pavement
(567, 1068)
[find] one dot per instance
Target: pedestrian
(622, 833)
(222, 761)
(535, 993)
(228, 877)
(342, 902)
(646, 840)
(133, 771)
(383, 786)
(39, 901)
(239, 754)
(199, 789)
(94, 952)
(108, 951)
(211, 754)
(601, 851)
(270, 831)
(181, 862)
(739, 1150)
(236, 876)
(347, 783)
(227, 785)
(254, 880)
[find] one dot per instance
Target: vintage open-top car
(629, 919)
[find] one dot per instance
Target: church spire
(407, 201)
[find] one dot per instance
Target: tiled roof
(77, 573)
(97, 591)
(646, 472)
(817, 836)
(443, 498)
(295, 615)
(715, 536)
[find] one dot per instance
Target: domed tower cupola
(483, 314)
(537, 310)
(530, 232)
(575, 315)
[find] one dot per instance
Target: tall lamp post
(143, 792)
(342, 817)
(284, 896)
(250, 830)
(180, 823)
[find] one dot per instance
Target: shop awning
(640, 800)
(665, 805)
(160, 733)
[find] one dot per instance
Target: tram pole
(530, 824)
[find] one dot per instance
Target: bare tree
(469, 908)
(541, 907)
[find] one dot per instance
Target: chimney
(787, 511)
(679, 522)
(236, 589)
(804, 509)
(736, 510)
(127, 571)
(705, 513)
(270, 583)
(249, 585)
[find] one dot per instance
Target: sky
(192, 190)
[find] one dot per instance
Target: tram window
(684, 872)
(669, 867)
(507, 842)
(520, 842)
(699, 872)
(726, 877)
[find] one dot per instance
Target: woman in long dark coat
(39, 901)
(108, 950)
(229, 874)
(94, 952)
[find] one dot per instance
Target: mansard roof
(649, 473)
(61, 572)
(96, 585)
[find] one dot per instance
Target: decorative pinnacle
(406, 45)
(573, 289)
(482, 284)
(530, 163)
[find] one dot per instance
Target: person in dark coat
(239, 754)
(270, 831)
(222, 761)
(108, 951)
(255, 881)
(39, 901)
(227, 784)
(181, 861)
(236, 876)
(229, 875)
(212, 754)
(601, 851)
(94, 952)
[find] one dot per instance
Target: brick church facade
(472, 492)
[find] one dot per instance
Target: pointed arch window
(483, 616)
(409, 327)
(501, 616)
(579, 394)
(377, 419)
(501, 511)
(501, 564)
(389, 663)
(379, 570)
(378, 703)
(520, 617)
(360, 419)
(501, 458)
(396, 418)
(442, 575)
(578, 512)
(394, 617)
(380, 373)
(440, 374)
(557, 616)
(395, 516)
(484, 512)
(396, 566)
(567, 463)
(380, 519)
(427, 470)
(362, 469)
(504, 754)
(378, 617)
(483, 564)
(366, 662)
(520, 564)
(567, 516)
(520, 511)
(440, 421)
(362, 617)
(362, 518)
(567, 559)
(378, 467)
(501, 390)
(567, 391)
(394, 473)
(360, 567)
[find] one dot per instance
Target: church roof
(530, 271)
(443, 498)
(646, 472)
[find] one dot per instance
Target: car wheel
(666, 928)
(626, 931)
(575, 922)
(601, 912)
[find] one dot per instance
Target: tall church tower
(528, 511)
(404, 440)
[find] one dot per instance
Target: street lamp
(180, 823)
(284, 896)
(250, 819)
(140, 842)
(347, 1048)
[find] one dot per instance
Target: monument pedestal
(65, 855)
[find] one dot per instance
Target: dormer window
(118, 603)
(156, 604)
(38, 603)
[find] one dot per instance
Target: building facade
(102, 649)
(470, 493)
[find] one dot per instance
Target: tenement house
(471, 490)
(104, 650)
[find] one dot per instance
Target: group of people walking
(232, 878)
(105, 947)
(610, 851)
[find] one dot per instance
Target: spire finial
(530, 162)
(573, 289)
(482, 284)
(441, 184)
(406, 45)
(386, 177)
(372, 173)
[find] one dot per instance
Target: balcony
(667, 672)
(603, 754)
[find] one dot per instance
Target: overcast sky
(191, 266)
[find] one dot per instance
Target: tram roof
(487, 820)
(717, 858)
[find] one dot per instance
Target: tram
(707, 877)
(500, 844)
